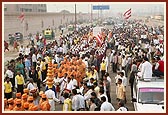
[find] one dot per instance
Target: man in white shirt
(106, 106)
(146, 70)
(30, 85)
(34, 60)
(81, 101)
(81, 88)
(21, 50)
(27, 50)
(87, 95)
(74, 82)
(102, 94)
(75, 100)
(10, 74)
(121, 106)
(68, 85)
(51, 97)
(124, 79)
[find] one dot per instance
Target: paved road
(113, 93)
(11, 54)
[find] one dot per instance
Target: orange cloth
(17, 108)
(26, 90)
(44, 96)
(30, 98)
(45, 106)
(40, 93)
(5, 101)
(40, 103)
(24, 96)
(18, 101)
(18, 95)
(23, 102)
(26, 105)
(31, 105)
(10, 107)
(10, 100)
(34, 108)
(60, 75)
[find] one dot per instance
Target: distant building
(25, 7)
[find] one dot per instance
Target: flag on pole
(21, 17)
(98, 38)
(127, 14)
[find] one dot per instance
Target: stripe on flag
(127, 14)
(21, 17)
(98, 37)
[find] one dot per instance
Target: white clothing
(124, 81)
(56, 80)
(21, 50)
(64, 48)
(87, 95)
(75, 102)
(106, 106)
(51, 97)
(74, 83)
(9, 73)
(30, 86)
(27, 51)
(69, 86)
(81, 90)
(39, 55)
(34, 59)
(124, 62)
(81, 101)
(109, 79)
(146, 70)
(117, 77)
(62, 81)
(122, 109)
(106, 61)
(104, 96)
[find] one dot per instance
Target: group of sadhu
(25, 103)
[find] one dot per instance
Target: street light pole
(91, 14)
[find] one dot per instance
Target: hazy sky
(114, 7)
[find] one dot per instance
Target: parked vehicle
(148, 95)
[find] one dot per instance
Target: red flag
(98, 38)
(21, 17)
(127, 14)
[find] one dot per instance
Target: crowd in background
(81, 68)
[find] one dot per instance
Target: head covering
(18, 101)
(49, 74)
(34, 108)
(49, 82)
(5, 101)
(50, 79)
(26, 90)
(26, 105)
(44, 96)
(30, 98)
(18, 95)
(40, 93)
(49, 71)
(10, 100)
(24, 96)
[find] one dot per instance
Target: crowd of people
(74, 69)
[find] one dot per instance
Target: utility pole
(75, 18)
(91, 14)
